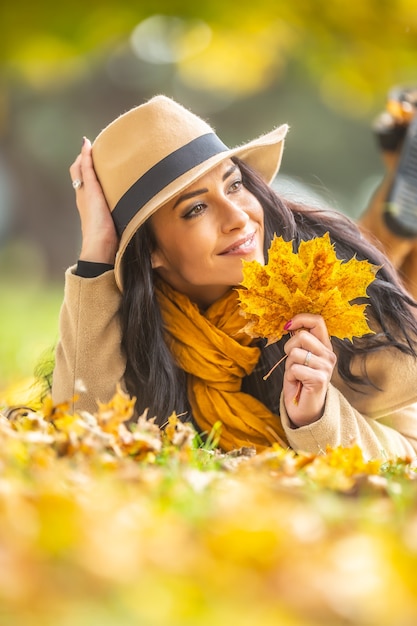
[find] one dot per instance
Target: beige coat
(89, 357)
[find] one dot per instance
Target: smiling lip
(244, 245)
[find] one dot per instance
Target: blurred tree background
(67, 70)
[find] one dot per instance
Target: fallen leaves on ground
(106, 519)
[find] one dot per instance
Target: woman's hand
(99, 237)
(308, 368)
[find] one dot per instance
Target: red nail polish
(288, 325)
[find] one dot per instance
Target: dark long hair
(151, 372)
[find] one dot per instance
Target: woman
(168, 212)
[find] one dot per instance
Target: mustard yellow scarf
(216, 355)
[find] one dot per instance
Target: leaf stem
(272, 368)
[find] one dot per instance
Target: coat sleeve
(393, 435)
(88, 359)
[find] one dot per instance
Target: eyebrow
(197, 192)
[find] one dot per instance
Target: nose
(232, 216)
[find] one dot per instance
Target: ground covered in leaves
(112, 524)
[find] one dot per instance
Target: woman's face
(205, 232)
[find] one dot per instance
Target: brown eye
(196, 210)
(237, 184)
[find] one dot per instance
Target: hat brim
(263, 154)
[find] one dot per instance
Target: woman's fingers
(314, 324)
(87, 168)
(308, 368)
(302, 363)
(75, 172)
(99, 237)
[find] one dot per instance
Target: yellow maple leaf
(312, 280)
(114, 413)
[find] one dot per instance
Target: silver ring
(77, 183)
(307, 359)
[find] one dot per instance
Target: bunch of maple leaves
(312, 280)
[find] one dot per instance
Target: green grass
(28, 326)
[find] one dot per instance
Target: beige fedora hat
(153, 152)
